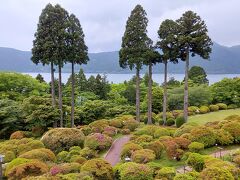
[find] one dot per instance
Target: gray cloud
(104, 21)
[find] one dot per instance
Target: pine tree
(44, 45)
(135, 44)
(77, 52)
(167, 33)
(192, 39)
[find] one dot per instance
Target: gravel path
(113, 154)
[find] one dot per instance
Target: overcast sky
(103, 21)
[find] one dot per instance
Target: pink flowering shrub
(98, 141)
(55, 170)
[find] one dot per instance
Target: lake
(119, 78)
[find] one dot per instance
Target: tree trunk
(53, 91)
(137, 96)
(60, 93)
(186, 87)
(150, 94)
(165, 94)
(73, 88)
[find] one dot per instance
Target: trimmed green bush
(155, 146)
(134, 171)
(45, 155)
(62, 157)
(234, 129)
(216, 173)
(99, 168)
(213, 108)
(183, 143)
(180, 121)
(196, 161)
(222, 106)
(232, 106)
(143, 139)
(60, 139)
(170, 122)
(161, 132)
(223, 137)
(166, 173)
(9, 156)
(98, 141)
(78, 159)
(196, 147)
(204, 109)
(143, 156)
(88, 153)
(128, 149)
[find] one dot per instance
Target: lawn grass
(213, 116)
(164, 161)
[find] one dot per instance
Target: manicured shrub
(86, 130)
(130, 124)
(216, 173)
(223, 137)
(60, 139)
(170, 122)
(110, 131)
(9, 156)
(99, 125)
(65, 168)
(204, 109)
(172, 149)
(183, 143)
(196, 161)
(88, 153)
(232, 117)
(32, 168)
(160, 122)
(18, 135)
(213, 108)
(29, 145)
(193, 175)
(62, 157)
(203, 135)
(234, 129)
(134, 171)
(14, 163)
(99, 168)
(236, 160)
(177, 113)
(143, 139)
(146, 119)
(161, 132)
(155, 146)
(128, 149)
(196, 147)
(98, 141)
(78, 159)
(148, 130)
(42, 154)
(116, 123)
(222, 106)
(169, 115)
(143, 156)
(155, 166)
(75, 148)
(194, 109)
(165, 138)
(76, 176)
(166, 173)
(73, 152)
(185, 128)
(180, 121)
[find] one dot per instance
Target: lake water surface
(119, 78)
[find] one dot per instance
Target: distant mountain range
(224, 60)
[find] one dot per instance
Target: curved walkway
(113, 154)
(218, 154)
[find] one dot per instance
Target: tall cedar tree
(77, 52)
(193, 39)
(152, 57)
(168, 44)
(44, 44)
(135, 43)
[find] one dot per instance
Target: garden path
(113, 154)
(218, 154)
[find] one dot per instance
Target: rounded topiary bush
(18, 135)
(223, 137)
(20, 168)
(146, 119)
(143, 156)
(63, 157)
(216, 173)
(222, 106)
(128, 149)
(232, 106)
(116, 123)
(78, 159)
(180, 121)
(98, 126)
(214, 108)
(155, 146)
(170, 122)
(88, 153)
(99, 168)
(43, 154)
(234, 129)
(196, 147)
(203, 135)
(204, 109)
(134, 171)
(60, 139)
(183, 143)
(143, 139)
(110, 131)
(98, 141)
(161, 132)
(65, 168)
(196, 161)
(166, 173)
